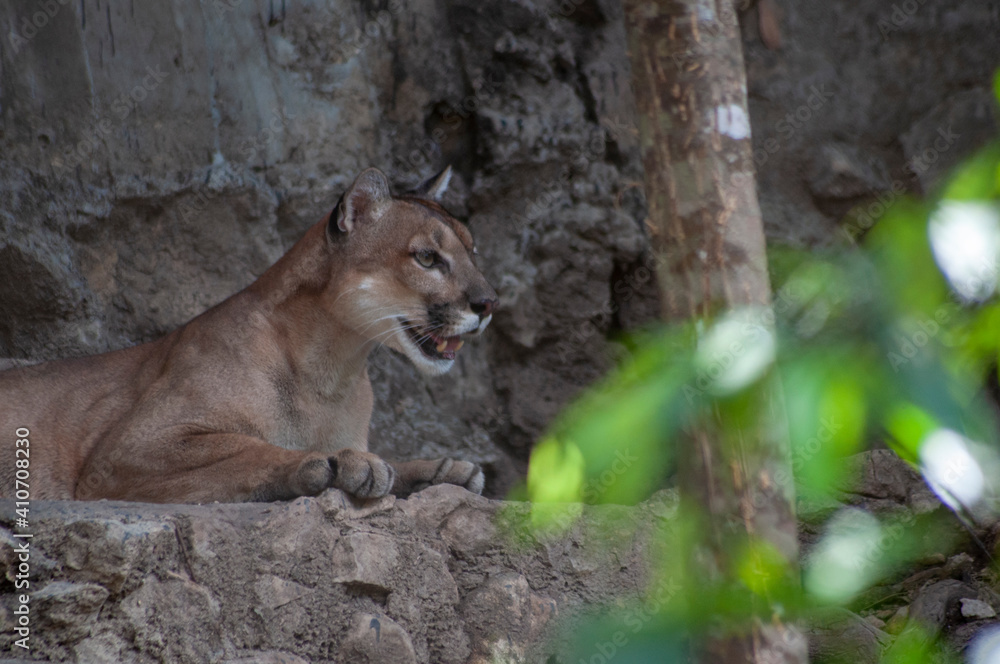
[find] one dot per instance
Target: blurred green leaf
(555, 473)
(622, 427)
(901, 252)
(910, 425)
(762, 567)
(916, 646)
(978, 178)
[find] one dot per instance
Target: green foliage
(893, 341)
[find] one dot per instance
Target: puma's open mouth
(430, 344)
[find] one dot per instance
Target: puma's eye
(426, 258)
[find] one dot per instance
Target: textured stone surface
(939, 603)
(976, 609)
(155, 158)
(376, 639)
(839, 635)
(880, 88)
(317, 579)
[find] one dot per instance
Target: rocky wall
(156, 157)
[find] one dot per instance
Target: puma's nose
(484, 308)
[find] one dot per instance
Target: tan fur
(265, 396)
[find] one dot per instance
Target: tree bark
(690, 88)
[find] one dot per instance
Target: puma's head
(411, 280)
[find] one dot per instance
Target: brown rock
(215, 582)
(505, 615)
(839, 635)
(107, 551)
(976, 609)
(267, 657)
(165, 614)
(70, 608)
(469, 531)
(365, 560)
(939, 603)
(376, 639)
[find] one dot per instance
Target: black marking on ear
(333, 229)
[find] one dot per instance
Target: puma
(265, 396)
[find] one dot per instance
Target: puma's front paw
(476, 479)
(314, 474)
(463, 473)
(362, 474)
(419, 474)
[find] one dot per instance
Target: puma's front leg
(416, 475)
(204, 468)
(229, 468)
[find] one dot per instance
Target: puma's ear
(435, 187)
(366, 195)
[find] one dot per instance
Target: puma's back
(65, 406)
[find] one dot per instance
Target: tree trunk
(690, 89)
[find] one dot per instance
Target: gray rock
(304, 579)
(365, 560)
(837, 635)
(505, 597)
(70, 608)
(880, 481)
(976, 609)
(164, 615)
(977, 641)
(105, 648)
(273, 592)
(40, 288)
(938, 604)
(783, 643)
(937, 612)
(377, 639)
(898, 620)
(469, 532)
(109, 552)
(841, 170)
(937, 142)
(516, 616)
(267, 657)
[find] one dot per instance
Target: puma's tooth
(441, 346)
(458, 346)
